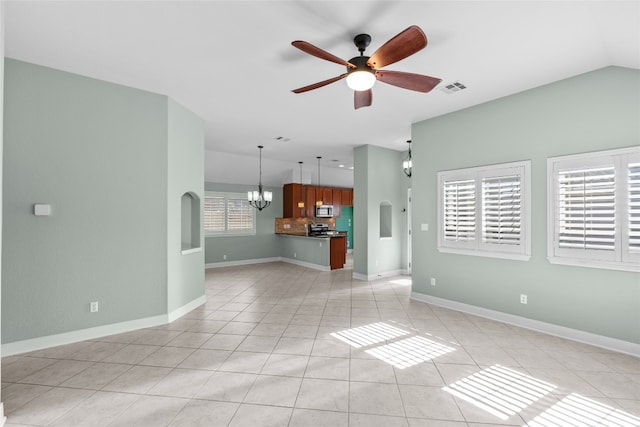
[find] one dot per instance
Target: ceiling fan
(363, 71)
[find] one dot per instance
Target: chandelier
(260, 199)
(407, 163)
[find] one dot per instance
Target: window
(594, 209)
(485, 211)
(228, 214)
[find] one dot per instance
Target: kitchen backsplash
(299, 226)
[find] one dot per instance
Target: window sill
(590, 263)
(190, 251)
(501, 255)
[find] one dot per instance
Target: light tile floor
(282, 345)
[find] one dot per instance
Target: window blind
(501, 210)
(239, 215)
(634, 207)
(214, 210)
(459, 210)
(586, 208)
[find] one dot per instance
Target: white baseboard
(535, 325)
(181, 311)
(265, 260)
(307, 264)
(377, 276)
(359, 276)
(40, 343)
(241, 262)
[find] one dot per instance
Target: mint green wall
(264, 244)
(98, 153)
(1, 173)
(185, 272)
(378, 177)
(594, 111)
(360, 210)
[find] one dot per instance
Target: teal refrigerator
(345, 223)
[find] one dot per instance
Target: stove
(318, 229)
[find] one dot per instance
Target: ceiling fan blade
(319, 84)
(399, 47)
(319, 53)
(362, 98)
(410, 81)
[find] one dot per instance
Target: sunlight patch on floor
(576, 410)
(366, 335)
(397, 350)
(402, 282)
(409, 352)
(500, 391)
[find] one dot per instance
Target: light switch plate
(41, 209)
(424, 227)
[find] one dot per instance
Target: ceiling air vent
(453, 87)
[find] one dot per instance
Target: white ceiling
(231, 62)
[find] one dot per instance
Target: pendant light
(301, 202)
(319, 199)
(260, 199)
(407, 164)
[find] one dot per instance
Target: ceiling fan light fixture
(361, 80)
(363, 71)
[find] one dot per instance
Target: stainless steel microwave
(324, 211)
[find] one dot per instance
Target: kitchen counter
(324, 252)
(321, 236)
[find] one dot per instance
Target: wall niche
(385, 220)
(190, 219)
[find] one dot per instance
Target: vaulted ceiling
(232, 63)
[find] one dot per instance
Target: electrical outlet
(224, 257)
(93, 306)
(433, 281)
(295, 255)
(523, 299)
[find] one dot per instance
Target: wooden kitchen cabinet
(310, 201)
(337, 201)
(294, 193)
(338, 252)
(327, 196)
(346, 197)
(291, 196)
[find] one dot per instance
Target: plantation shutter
(501, 210)
(239, 214)
(634, 207)
(586, 208)
(459, 210)
(214, 208)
